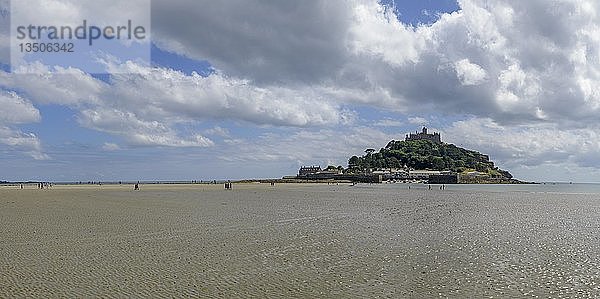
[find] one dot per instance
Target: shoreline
(245, 184)
(255, 182)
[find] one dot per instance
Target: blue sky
(421, 12)
(239, 89)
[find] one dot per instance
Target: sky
(255, 89)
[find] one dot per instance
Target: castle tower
(424, 135)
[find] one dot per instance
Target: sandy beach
(297, 241)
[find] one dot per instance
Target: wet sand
(296, 241)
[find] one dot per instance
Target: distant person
(136, 187)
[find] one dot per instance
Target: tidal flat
(297, 241)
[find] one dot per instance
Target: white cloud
(527, 73)
(174, 94)
(55, 85)
(518, 65)
(27, 143)
(111, 147)
(144, 108)
(358, 52)
(73, 12)
(420, 121)
(388, 122)
(521, 60)
(469, 73)
(377, 31)
(17, 110)
(307, 147)
(517, 88)
(218, 131)
(531, 146)
(138, 132)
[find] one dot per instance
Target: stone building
(308, 170)
(424, 135)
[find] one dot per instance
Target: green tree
(424, 154)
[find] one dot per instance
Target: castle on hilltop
(435, 137)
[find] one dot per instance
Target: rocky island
(420, 157)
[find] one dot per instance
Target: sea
(549, 187)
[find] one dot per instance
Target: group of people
(442, 187)
(40, 186)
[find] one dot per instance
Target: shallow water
(559, 188)
(298, 241)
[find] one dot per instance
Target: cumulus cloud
(218, 131)
(469, 73)
(420, 121)
(73, 12)
(144, 107)
(376, 31)
(490, 59)
(388, 122)
(533, 146)
(28, 143)
(111, 147)
(526, 73)
(266, 41)
(516, 62)
(17, 110)
(307, 147)
(54, 85)
(173, 94)
(136, 131)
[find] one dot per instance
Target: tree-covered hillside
(424, 154)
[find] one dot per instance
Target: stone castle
(435, 137)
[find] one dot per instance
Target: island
(420, 157)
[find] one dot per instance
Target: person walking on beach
(137, 187)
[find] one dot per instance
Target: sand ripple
(297, 242)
